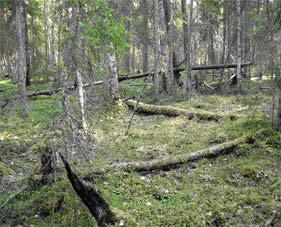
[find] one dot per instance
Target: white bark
(79, 78)
(112, 79)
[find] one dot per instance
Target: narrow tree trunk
(157, 51)
(145, 16)
(112, 78)
(22, 64)
(81, 98)
(169, 75)
(187, 28)
(27, 47)
(239, 45)
(52, 42)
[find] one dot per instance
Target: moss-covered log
(175, 111)
(174, 161)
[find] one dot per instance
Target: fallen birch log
(168, 163)
(175, 111)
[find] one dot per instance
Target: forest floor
(239, 189)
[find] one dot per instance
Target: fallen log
(91, 197)
(180, 69)
(140, 75)
(169, 163)
(175, 111)
(54, 91)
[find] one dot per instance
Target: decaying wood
(139, 75)
(175, 111)
(180, 69)
(91, 197)
(47, 166)
(54, 91)
(168, 163)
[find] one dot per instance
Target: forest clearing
(140, 113)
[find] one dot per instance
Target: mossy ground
(240, 189)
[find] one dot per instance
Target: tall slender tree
(21, 54)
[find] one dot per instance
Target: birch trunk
(112, 79)
(79, 78)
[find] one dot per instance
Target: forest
(140, 113)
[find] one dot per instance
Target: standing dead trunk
(21, 52)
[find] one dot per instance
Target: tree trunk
(27, 47)
(22, 64)
(91, 197)
(174, 111)
(239, 45)
(169, 75)
(81, 98)
(145, 16)
(174, 161)
(157, 51)
(187, 28)
(112, 78)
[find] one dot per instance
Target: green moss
(4, 170)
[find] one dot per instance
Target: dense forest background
(120, 87)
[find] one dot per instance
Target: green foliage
(212, 6)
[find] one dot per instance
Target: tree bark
(157, 51)
(112, 78)
(239, 45)
(27, 47)
(91, 197)
(187, 28)
(168, 163)
(175, 111)
(145, 16)
(169, 75)
(79, 78)
(21, 52)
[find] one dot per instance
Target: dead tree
(91, 197)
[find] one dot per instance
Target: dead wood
(175, 111)
(91, 197)
(180, 69)
(168, 163)
(138, 75)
